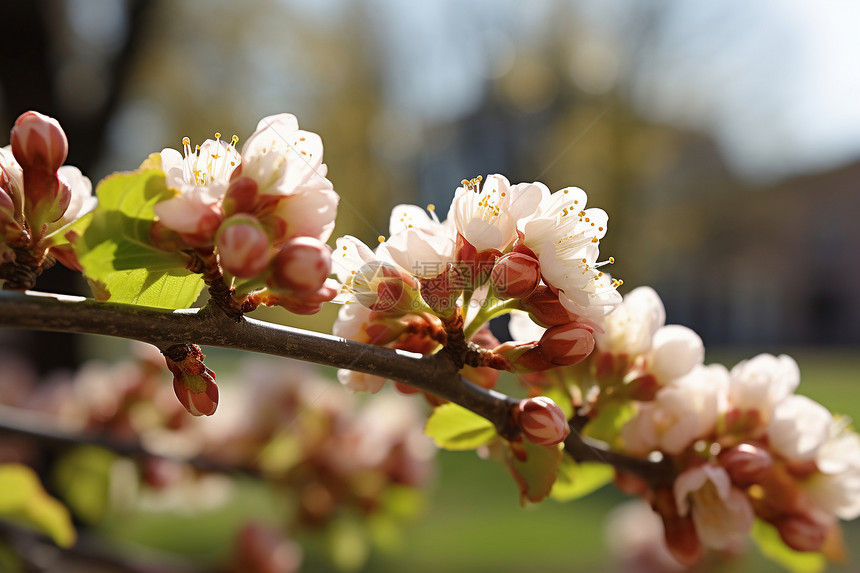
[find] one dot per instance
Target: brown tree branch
(436, 374)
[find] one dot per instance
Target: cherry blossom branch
(436, 374)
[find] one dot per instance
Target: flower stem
(489, 312)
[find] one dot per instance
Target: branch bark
(436, 374)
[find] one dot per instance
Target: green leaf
(561, 396)
(606, 427)
(453, 427)
(82, 478)
(534, 468)
(24, 501)
(577, 480)
(348, 543)
(767, 539)
(116, 252)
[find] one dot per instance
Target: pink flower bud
(243, 246)
(301, 266)
(801, 533)
(303, 303)
(746, 464)
(38, 142)
(193, 382)
(196, 392)
(545, 308)
(241, 196)
(515, 275)
(541, 421)
(567, 344)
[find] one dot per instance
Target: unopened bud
(515, 275)
(746, 464)
(545, 308)
(198, 393)
(541, 421)
(38, 142)
(567, 344)
(193, 382)
(243, 246)
(301, 266)
(241, 196)
(801, 533)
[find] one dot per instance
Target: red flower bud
(198, 393)
(243, 246)
(241, 196)
(801, 533)
(545, 308)
(567, 344)
(301, 266)
(746, 464)
(541, 421)
(38, 142)
(193, 382)
(515, 275)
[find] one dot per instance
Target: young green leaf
(534, 468)
(23, 500)
(767, 539)
(116, 252)
(607, 425)
(577, 480)
(453, 427)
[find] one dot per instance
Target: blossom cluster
(742, 443)
(39, 200)
(264, 214)
(501, 247)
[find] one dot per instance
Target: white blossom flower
(799, 427)
(682, 412)
(486, 216)
(285, 162)
(565, 236)
(675, 351)
(201, 179)
(630, 328)
(419, 242)
(282, 158)
(721, 513)
(762, 382)
(81, 188)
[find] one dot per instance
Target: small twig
(38, 427)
